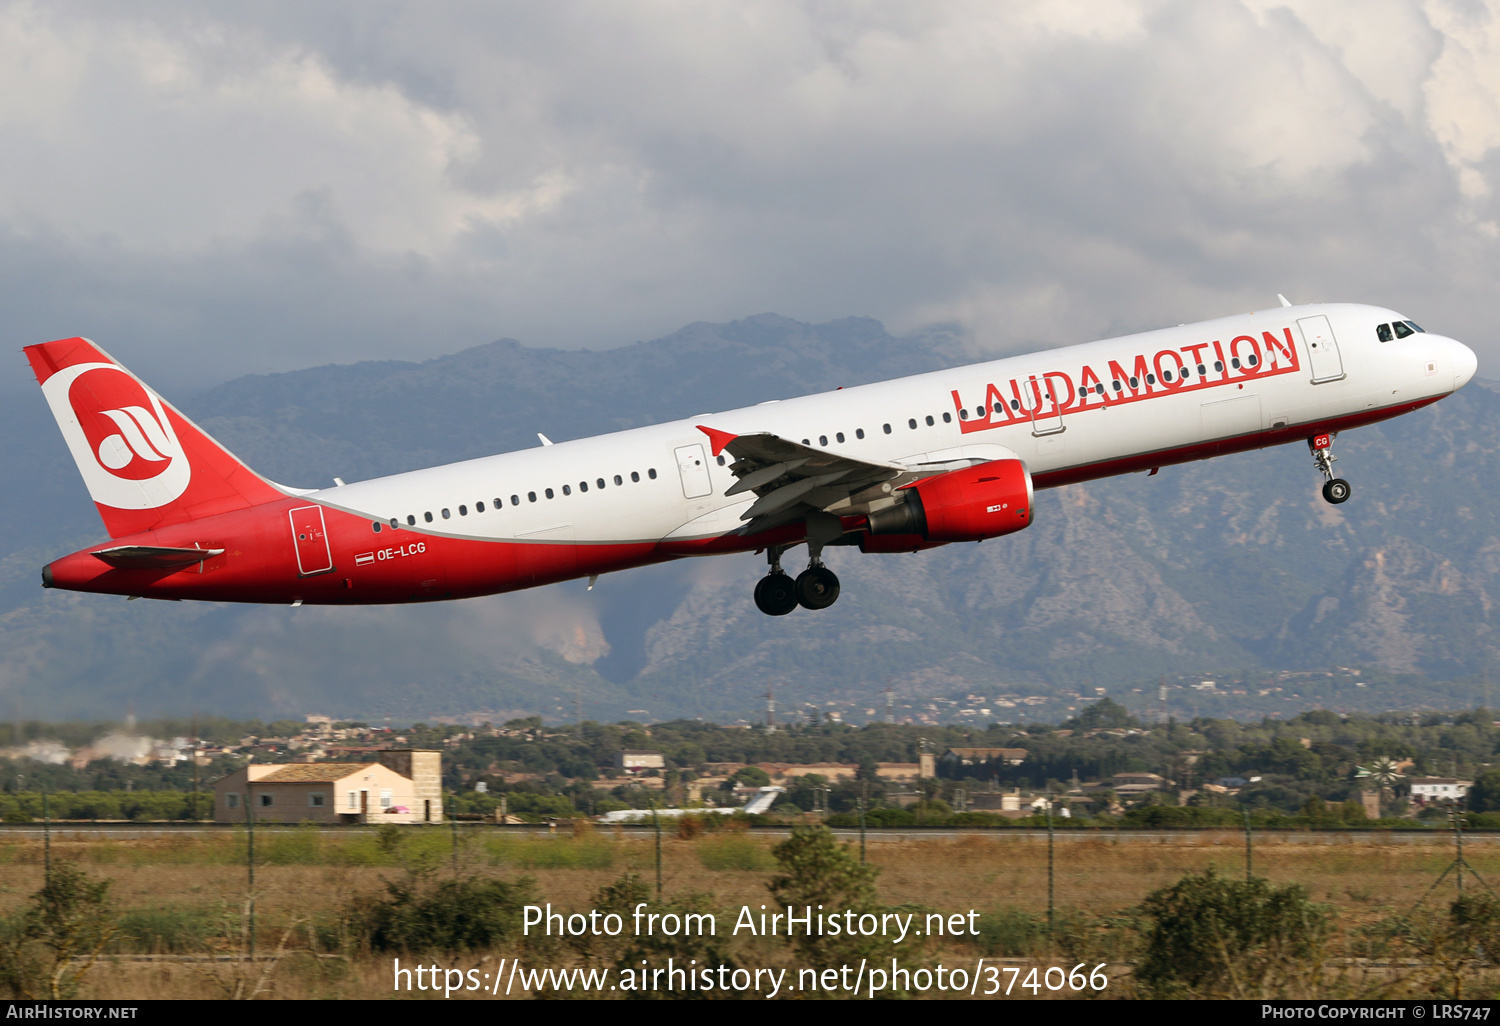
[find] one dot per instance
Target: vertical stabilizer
(145, 464)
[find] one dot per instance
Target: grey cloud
(586, 174)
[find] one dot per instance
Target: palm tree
(1384, 773)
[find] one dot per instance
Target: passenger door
(1322, 349)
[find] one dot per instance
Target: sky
(209, 190)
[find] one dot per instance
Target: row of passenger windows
(515, 500)
(1186, 374)
(1402, 329)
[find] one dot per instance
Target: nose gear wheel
(1335, 489)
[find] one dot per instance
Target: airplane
(897, 466)
(762, 802)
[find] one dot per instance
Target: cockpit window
(1383, 332)
(1414, 326)
(1402, 331)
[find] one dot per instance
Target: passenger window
(619, 480)
(822, 439)
(1383, 332)
(1150, 379)
(531, 496)
(1235, 362)
(583, 486)
(859, 432)
(1219, 365)
(411, 521)
(962, 414)
(947, 418)
(1252, 359)
(567, 490)
(447, 515)
(807, 441)
(651, 473)
(1015, 404)
(375, 527)
(1083, 393)
(1135, 382)
(548, 492)
(1116, 384)
(463, 511)
(839, 436)
(1402, 331)
(912, 423)
(599, 483)
(721, 463)
(635, 475)
(929, 420)
(515, 500)
(479, 506)
(395, 524)
(887, 429)
(427, 517)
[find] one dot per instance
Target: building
(404, 786)
(640, 762)
(974, 756)
(1438, 789)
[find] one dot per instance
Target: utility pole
(193, 754)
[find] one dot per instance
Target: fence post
(1050, 914)
(1249, 848)
(656, 821)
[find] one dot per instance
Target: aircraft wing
(792, 481)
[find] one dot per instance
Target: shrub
(730, 851)
(1212, 937)
(418, 914)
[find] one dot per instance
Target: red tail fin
(145, 464)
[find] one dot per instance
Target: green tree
(72, 918)
(1484, 796)
(817, 870)
(1213, 937)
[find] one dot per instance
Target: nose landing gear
(1335, 489)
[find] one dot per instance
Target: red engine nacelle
(972, 504)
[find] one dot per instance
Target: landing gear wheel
(776, 594)
(817, 587)
(1336, 490)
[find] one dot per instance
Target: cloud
(210, 189)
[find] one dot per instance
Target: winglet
(717, 439)
(1284, 300)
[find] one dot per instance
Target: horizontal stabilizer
(153, 557)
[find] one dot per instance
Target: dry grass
(313, 877)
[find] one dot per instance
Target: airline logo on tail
(120, 436)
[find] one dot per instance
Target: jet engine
(979, 502)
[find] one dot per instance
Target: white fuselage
(662, 483)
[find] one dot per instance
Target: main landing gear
(777, 594)
(1335, 489)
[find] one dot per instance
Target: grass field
(183, 897)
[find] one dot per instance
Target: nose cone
(1465, 363)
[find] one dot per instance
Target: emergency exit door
(310, 536)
